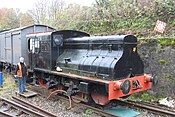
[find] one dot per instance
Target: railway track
(97, 110)
(150, 107)
(20, 108)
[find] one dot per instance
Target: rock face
(159, 60)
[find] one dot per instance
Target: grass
(9, 86)
(169, 76)
(166, 41)
(144, 97)
(164, 62)
(89, 111)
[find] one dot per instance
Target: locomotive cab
(44, 48)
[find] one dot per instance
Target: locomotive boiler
(101, 68)
(105, 57)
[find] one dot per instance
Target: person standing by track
(21, 73)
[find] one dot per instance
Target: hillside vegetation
(104, 17)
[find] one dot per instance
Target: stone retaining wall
(159, 60)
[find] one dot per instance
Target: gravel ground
(57, 106)
(54, 105)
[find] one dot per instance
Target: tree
(39, 12)
(25, 19)
(55, 11)
(8, 18)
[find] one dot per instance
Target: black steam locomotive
(98, 67)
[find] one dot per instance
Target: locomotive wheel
(77, 98)
(100, 99)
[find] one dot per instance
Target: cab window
(33, 45)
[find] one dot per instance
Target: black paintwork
(106, 57)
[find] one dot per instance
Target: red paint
(117, 93)
(100, 99)
(41, 82)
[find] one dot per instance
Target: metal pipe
(62, 91)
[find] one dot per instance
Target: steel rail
(21, 108)
(33, 107)
(99, 111)
(153, 105)
(5, 114)
(152, 108)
